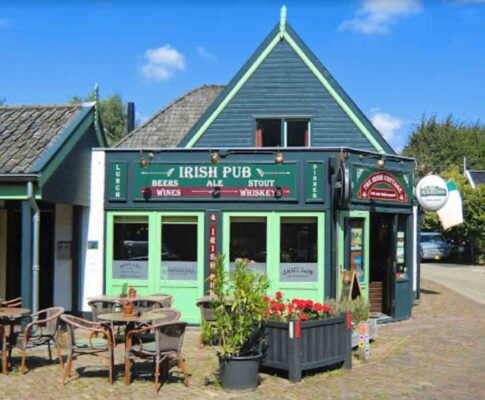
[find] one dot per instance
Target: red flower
(267, 312)
(303, 317)
(267, 298)
(281, 306)
(278, 295)
(309, 303)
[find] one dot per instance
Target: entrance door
(381, 262)
(181, 262)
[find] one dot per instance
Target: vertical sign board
(213, 223)
(117, 181)
(314, 182)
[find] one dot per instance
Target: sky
(399, 60)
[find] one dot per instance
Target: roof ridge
(167, 107)
(20, 106)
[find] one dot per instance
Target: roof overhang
(19, 177)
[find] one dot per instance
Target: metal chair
(167, 345)
(81, 348)
(42, 330)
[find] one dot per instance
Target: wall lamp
(146, 161)
(278, 157)
(380, 162)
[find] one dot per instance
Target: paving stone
(437, 354)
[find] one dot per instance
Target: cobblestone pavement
(438, 354)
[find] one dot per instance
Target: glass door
(181, 261)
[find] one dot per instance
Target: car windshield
(431, 238)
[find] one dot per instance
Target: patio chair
(12, 302)
(167, 346)
(146, 305)
(42, 330)
(102, 306)
(79, 347)
(165, 298)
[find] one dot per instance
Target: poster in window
(130, 269)
(356, 251)
(298, 272)
(400, 248)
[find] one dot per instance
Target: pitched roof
(170, 125)
(27, 132)
(286, 32)
(476, 177)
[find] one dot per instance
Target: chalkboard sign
(350, 288)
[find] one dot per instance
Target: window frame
(258, 142)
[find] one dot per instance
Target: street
(464, 279)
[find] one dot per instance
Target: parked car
(433, 246)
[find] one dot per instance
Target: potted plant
(239, 305)
(302, 335)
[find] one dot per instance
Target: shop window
(130, 248)
(248, 241)
(179, 251)
(298, 250)
(355, 247)
(282, 132)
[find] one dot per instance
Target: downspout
(35, 246)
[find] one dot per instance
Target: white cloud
(387, 125)
(377, 16)
(461, 2)
(162, 63)
(203, 52)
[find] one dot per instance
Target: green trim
(273, 223)
(49, 167)
(341, 246)
(233, 92)
(333, 93)
(154, 284)
(283, 34)
(17, 192)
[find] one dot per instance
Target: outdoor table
(7, 317)
(131, 320)
(121, 299)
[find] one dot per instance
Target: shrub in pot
(239, 307)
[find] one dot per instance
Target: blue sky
(398, 59)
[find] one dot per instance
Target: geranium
(295, 309)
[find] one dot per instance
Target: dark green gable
(282, 83)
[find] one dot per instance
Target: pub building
(279, 167)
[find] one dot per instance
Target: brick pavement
(438, 354)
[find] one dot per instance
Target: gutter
(6, 177)
(35, 247)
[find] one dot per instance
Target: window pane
(248, 241)
(179, 251)
(270, 131)
(130, 248)
(298, 250)
(401, 245)
(356, 243)
(296, 133)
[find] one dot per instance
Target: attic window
(283, 132)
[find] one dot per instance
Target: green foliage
(472, 231)
(239, 307)
(113, 116)
(438, 145)
(359, 308)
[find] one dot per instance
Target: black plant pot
(239, 374)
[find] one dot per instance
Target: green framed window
(282, 132)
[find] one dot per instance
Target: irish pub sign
(222, 181)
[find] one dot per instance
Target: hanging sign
(117, 184)
(381, 185)
(432, 192)
(314, 178)
(451, 213)
(222, 181)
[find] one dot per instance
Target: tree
(113, 115)
(440, 145)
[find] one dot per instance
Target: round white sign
(432, 192)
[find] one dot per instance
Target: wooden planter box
(299, 346)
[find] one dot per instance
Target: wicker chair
(102, 306)
(165, 298)
(12, 302)
(79, 348)
(42, 330)
(146, 304)
(167, 346)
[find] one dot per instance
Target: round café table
(7, 318)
